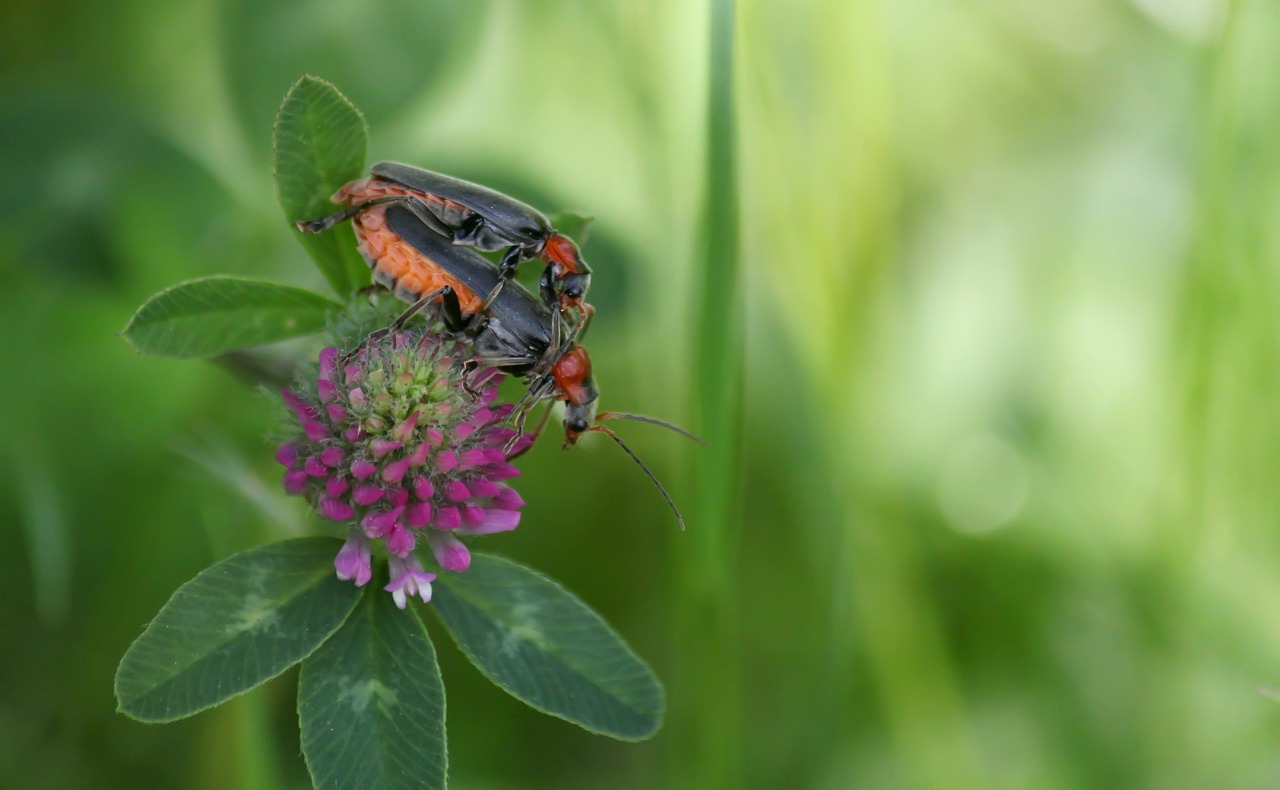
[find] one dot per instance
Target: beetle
(517, 334)
(475, 216)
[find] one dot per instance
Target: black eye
(577, 425)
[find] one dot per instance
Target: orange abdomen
(396, 264)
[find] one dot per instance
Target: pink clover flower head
(392, 444)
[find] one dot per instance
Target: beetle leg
(490, 363)
(547, 288)
(450, 310)
(469, 367)
(493, 294)
(542, 424)
(425, 214)
(511, 260)
(585, 313)
(417, 206)
(468, 230)
(522, 412)
(541, 387)
(324, 223)
(507, 268)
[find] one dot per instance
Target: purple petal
(315, 468)
(456, 491)
(434, 437)
(496, 455)
(353, 434)
(447, 518)
(417, 514)
(295, 481)
(380, 447)
(503, 472)
(328, 363)
(423, 489)
(361, 469)
(449, 551)
(358, 398)
(481, 416)
(335, 509)
(445, 462)
(470, 459)
(496, 521)
(316, 431)
(395, 471)
(336, 486)
(378, 523)
(337, 414)
(483, 488)
(287, 453)
(397, 497)
(463, 432)
(300, 407)
(408, 578)
(401, 541)
(498, 437)
(508, 498)
(419, 455)
(472, 516)
(351, 374)
(332, 457)
(403, 431)
(354, 560)
(367, 494)
(327, 390)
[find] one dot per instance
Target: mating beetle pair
(415, 229)
(475, 216)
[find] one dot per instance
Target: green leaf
(214, 315)
(371, 703)
(575, 226)
(320, 143)
(530, 636)
(235, 625)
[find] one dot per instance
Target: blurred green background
(1008, 511)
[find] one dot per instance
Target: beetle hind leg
(324, 223)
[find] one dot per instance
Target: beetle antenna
(618, 415)
(645, 469)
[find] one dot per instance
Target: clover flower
(398, 447)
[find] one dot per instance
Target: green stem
(707, 718)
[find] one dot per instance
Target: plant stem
(707, 722)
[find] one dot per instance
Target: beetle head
(577, 388)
